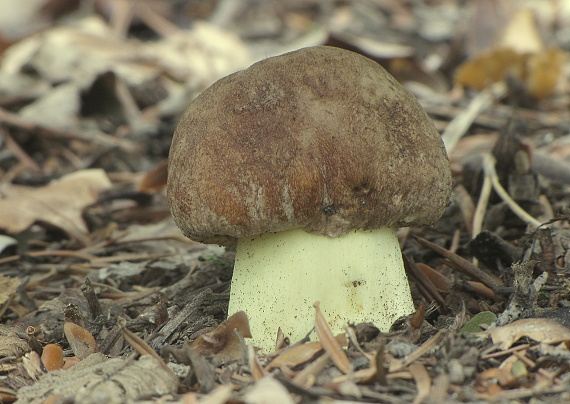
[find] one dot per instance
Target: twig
(419, 352)
(459, 125)
(9, 118)
(481, 206)
(461, 264)
(20, 154)
(489, 168)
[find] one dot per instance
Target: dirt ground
(102, 299)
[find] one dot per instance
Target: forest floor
(102, 299)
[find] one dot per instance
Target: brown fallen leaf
(538, 73)
(295, 355)
(70, 362)
(52, 357)
(440, 281)
(329, 342)
(59, 203)
(539, 329)
(519, 54)
(223, 342)
(376, 371)
(80, 340)
(257, 371)
(308, 376)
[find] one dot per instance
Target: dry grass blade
(329, 343)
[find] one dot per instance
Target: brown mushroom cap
(321, 139)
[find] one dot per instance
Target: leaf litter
(88, 104)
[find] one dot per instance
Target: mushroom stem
(358, 277)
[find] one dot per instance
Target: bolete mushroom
(307, 163)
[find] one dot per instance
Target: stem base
(358, 277)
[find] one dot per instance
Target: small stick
(461, 123)
(91, 297)
(12, 119)
(460, 264)
(479, 215)
(489, 168)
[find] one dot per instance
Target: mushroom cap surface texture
(321, 139)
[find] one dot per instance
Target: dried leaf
(32, 366)
(539, 329)
(481, 290)
(545, 70)
(257, 371)
(70, 362)
(439, 280)
(500, 374)
(80, 340)
(330, 344)
(223, 341)
(295, 355)
(521, 33)
(268, 390)
(8, 287)
(139, 344)
(461, 264)
(473, 325)
(539, 73)
(219, 396)
(377, 371)
(399, 364)
(11, 344)
(308, 375)
(423, 381)
(6, 241)
(98, 376)
(419, 316)
(52, 357)
(60, 203)
(491, 67)
(519, 54)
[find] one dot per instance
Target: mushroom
(307, 163)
